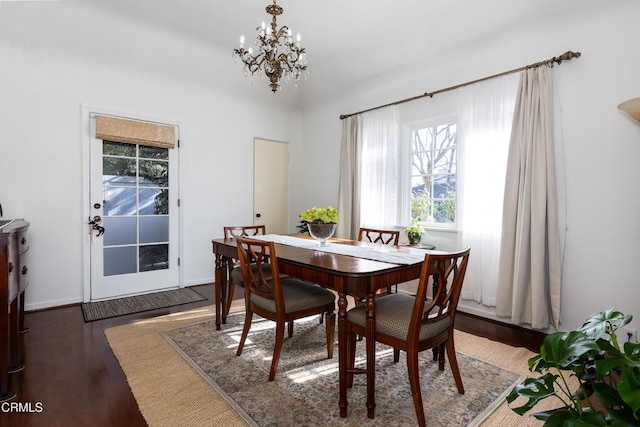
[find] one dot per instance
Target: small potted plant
(414, 233)
(607, 391)
(320, 222)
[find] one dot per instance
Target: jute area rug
(170, 392)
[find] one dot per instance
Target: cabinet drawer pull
(25, 270)
(10, 267)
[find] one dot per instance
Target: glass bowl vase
(322, 231)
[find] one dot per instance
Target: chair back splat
(374, 235)
(414, 323)
(233, 267)
(447, 273)
(259, 281)
(244, 231)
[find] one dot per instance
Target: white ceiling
(348, 40)
(363, 34)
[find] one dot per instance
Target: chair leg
(453, 362)
(351, 358)
(358, 301)
(245, 330)
(441, 357)
(277, 349)
(230, 291)
(396, 355)
(290, 328)
(414, 382)
(331, 331)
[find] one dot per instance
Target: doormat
(100, 310)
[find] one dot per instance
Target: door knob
(95, 225)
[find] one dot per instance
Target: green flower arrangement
(414, 232)
(328, 215)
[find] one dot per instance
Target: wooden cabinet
(14, 279)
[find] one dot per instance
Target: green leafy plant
(415, 228)
(328, 215)
(414, 232)
(608, 376)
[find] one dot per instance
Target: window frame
(409, 129)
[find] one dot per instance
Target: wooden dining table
(347, 275)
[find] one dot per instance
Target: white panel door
(271, 185)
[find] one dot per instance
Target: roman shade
(117, 129)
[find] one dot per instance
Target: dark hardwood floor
(72, 378)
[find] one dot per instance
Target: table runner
(372, 251)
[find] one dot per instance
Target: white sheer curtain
(349, 190)
(379, 202)
(530, 261)
(484, 127)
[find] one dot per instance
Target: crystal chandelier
(275, 53)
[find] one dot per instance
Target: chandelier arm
(290, 65)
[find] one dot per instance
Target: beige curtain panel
(530, 269)
(349, 190)
(129, 131)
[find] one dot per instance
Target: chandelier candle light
(277, 55)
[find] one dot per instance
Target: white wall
(58, 58)
(601, 144)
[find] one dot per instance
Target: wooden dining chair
(415, 323)
(233, 266)
(385, 237)
(279, 299)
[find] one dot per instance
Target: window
(433, 173)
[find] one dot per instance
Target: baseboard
(52, 304)
(201, 281)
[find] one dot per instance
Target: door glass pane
(154, 201)
(120, 231)
(154, 257)
(154, 153)
(154, 173)
(154, 229)
(119, 201)
(118, 170)
(120, 260)
(118, 149)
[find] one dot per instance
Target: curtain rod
(555, 60)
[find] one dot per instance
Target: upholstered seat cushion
(298, 295)
(236, 273)
(393, 314)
